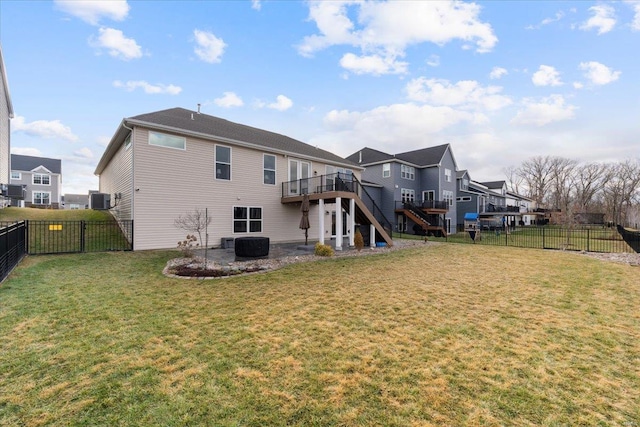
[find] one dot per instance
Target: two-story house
(41, 177)
(6, 114)
(418, 187)
(165, 164)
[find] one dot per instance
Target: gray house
(6, 114)
(41, 178)
(165, 164)
(418, 187)
(75, 201)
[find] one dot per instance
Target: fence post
(588, 239)
(82, 235)
(543, 242)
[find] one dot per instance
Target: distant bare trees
(565, 184)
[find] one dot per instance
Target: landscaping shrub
(323, 250)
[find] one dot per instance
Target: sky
(501, 81)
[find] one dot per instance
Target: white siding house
(161, 165)
(6, 114)
(41, 177)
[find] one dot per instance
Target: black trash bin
(252, 247)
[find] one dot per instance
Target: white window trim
(215, 162)
(33, 179)
(19, 175)
(447, 175)
(407, 194)
(33, 197)
(407, 172)
(386, 173)
(184, 148)
(248, 220)
(275, 169)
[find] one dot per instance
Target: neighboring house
(419, 187)
(75, 201)
(166, 164)
(6, 114)
(41, 178)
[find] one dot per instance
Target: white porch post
(321, 222)
(372, 236)
(352, 222)
(338, 223)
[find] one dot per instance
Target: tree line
(571, 187)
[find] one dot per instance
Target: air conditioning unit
(100, 201)
(14, 191)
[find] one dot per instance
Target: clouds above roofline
(92, 12)
(148, 88)
(48, 129)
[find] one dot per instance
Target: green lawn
(437, 335)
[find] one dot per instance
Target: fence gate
(58, 237)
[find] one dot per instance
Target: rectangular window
(269, 169)
(407, 195)
(223, 162)
(127, 142)
(16, 175)
(402, 224)
(407, 172)
(169, 141)
(41, 198)
(447, 175)
(386, 170)
(447, 196)
(41, 179)
(463, 199)
(464, 184)
(247, 219)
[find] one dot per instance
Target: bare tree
(621, 189)
(589, 180)
(195, 222)
(514, 179)
(536, 174)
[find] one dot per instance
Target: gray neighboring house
(41, 178)
(6, 114)
(75, 201)
(418, 187)
(165, 164)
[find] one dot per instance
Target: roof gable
(32, 163)
(368, 156)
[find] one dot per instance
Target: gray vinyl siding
(26, 178)
(448, 163)
(117, 177)
(171, 182)
(386, 196)
(4, 133)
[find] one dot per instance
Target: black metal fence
(13, 240)
(594, 239)
(56, 237)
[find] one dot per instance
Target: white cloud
(466, 94)
(372, 64)
(282, 103)
(93, 11)
(228, 100)
(84, 153)
(578, 85)
(497, 73)
(255, 4)
(386, 29)
(557, 17)
(635, 24)
(433, 61)
(599, 74)
(545, 111)
(546, 76)
(386, 126)
(49, 129)
(603, 19)
(148, 88)
(209, 47)
(116, 44)
(26, 151)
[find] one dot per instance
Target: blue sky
(500, 81)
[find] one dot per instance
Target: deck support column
(372, 236)
(321, 221)
(338, 223)
(352, 222)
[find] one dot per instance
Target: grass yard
(439, 335)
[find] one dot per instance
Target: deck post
(321, 221)
(352, 222)
(372, 236)
(338, 223)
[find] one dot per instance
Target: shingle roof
(368, 155)
(215, 127)
(424, 156)
(29, 163)
(494, 184)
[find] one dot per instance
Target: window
(463, 199)
(447, 175)
(169, 141)
(464, 184)
(41, 197)
(41, 179)
(247, 219)
(402, 224)
(386, 170)
(407, 172)
(223, 162)
(269, 169)
(16, 175)
(407, 195)
(447, 196)
(127, 142)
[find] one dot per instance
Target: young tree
(195, 222)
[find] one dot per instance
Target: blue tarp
(469, 216)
